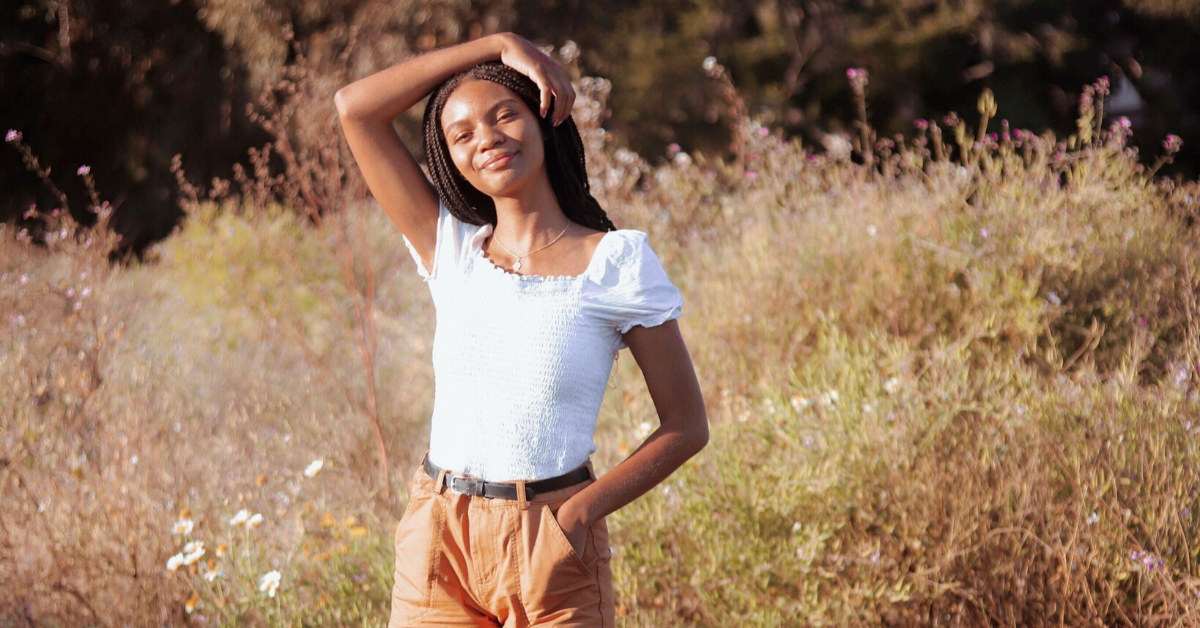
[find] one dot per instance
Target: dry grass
(944, 391)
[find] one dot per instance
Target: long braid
(566, 165)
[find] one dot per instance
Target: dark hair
(564, 159)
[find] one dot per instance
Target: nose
(489, 136)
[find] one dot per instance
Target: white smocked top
(521, 362)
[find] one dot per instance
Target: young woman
(535, 291)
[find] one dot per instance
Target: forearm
(657, 458)
(383, 96)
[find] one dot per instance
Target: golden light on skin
(494, 140)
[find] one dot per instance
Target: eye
(461, 137)
(506, 115)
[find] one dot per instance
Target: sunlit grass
(942, 390)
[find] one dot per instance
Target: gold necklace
(517, 266)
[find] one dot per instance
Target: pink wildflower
(83, 170)
(749, 174)
(1173, 143)
(13, 136)
(921, 124)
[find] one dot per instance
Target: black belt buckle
(466, 486)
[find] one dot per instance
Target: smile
(498, 162)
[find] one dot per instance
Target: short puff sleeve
(631, 287)
(452, 246)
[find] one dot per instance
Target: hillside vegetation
(952, 380)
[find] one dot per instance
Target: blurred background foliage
(123, 86)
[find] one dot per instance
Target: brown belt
(505, 490)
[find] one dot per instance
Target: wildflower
(221, 550)
(269, 582)
(314, 468)
(921, 124)
(211, 573)
(1125, 122)
(30, 213)
(190, 559)
(193, 546)
(673, 149)
(800, 402)
(183, 526)
(174, 562)
(358, 532)
(796, 527)
(751, 175)
(83, 170)
(643, 429)
(1186, 513)
(241, 517)
(1093, 518)
(191, 604)
(13, 136)
(829, 398)
(253, 521)
(762, 131)
(710, 64)
(1172, 144)
(891, 386)
(872, 230)
(984, 233)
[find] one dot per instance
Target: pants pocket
(416, 544)
(558, 584)
(552, 529)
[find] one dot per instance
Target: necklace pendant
(517, 266)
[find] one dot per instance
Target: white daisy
(183, 526)
(240, 518)
(253, 521)
(269, 583)
(174, 562)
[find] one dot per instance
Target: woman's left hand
(574, 527)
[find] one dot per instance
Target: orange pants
(471, 561)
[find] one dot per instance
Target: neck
(530, 217)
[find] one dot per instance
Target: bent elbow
(344, 103)
(700, 435)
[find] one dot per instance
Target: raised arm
(368, 107)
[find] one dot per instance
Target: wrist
(500, 42)
(572, 513)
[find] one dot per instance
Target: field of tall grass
(952, 379)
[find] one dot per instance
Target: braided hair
(564, 158)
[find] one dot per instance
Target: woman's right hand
(550, 77)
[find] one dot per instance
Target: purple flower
(763, 131)
(1172, 143)
(921, 124)
(750, 174)
(1125, 122)
(30, 213)
(83, 170)
(13, 136)
(673, 149)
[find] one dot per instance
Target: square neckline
(476, 243)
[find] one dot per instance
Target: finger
(569, 101)
(562, 101)
(544, 88)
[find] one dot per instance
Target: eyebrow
(459, 122)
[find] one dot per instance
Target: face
(494, 139)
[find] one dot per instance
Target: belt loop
(522, 503)
(441, 482)
(591, 470)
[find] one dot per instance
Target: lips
(497, 161)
